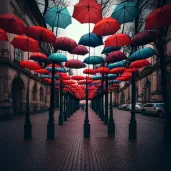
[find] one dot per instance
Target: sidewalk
(71, 151)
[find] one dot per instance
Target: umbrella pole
(106, 102)
(27, 125)
(61, 119)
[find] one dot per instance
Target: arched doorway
(17, 95)
(147, 91)
(122, 99)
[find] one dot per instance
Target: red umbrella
(42, 71)
(31, 65)
(89, 71)
(47, 80)
(12, 24)
(80, 50)
(40, 33)
(106, 26)
(25, 44)
(67, 82)
(159, 18)
(131, 70)
(37, 56)
(65, 43)
(56, 65)
(102, 70)
(65, 77)
(118, 40)
(87, 12)
(115, 56)
(74, 63)
(84, 81)
(123, 78)
(117, 70)
(77, 77)
(139, 63)
(3, 35)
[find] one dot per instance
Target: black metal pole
(50, 125)
(102, 100)
(106, 103)
(65, 107)
(61, 119)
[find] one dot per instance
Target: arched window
(147, 91)
(122, 98)
(41, 94)
(34, 93)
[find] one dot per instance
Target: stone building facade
(13, 78)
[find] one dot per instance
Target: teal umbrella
(111, 76)
(110, 49)
(117, 64)
(58, 17)
(56, 69)
(125, 12)
(93, 60)
(57, 58)
(96, 77)
(142, 54)
(114, 82)
(45, 76)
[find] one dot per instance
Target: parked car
(129, 107)
(154, 109)
(122, 106)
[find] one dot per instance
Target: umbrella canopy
(93, 60)
(91, 40)
(57, 58)
(117, 70)
(125, 12)
(65, 43)
(114, 82)
(131, 70)
(42, 71)
(3, 35)
(102, 70)
(12, 24)
(115, 57)
(111, 76)
(77, 77)
(80, 50)
(87, 12)
(97, 77)
(110, 49)
(25, 44)
(56, 69)
(142, 54)
(37, 56)
(56, 65)
(117, 64)
(106, 26)
(84, 81)
(159, 18)
(143, 38)
(139, 63)
(118, 40)
(58, 17)
(31, 65)
(40, 33)
(89, 71)
(74, 63)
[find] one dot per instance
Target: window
(150, 105)
(145, 105)
(18, 54)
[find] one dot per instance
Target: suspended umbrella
(106, 26)
(12, 24)
(117, 64)
(25, 44)
(102, 70)
(65, 77)
(111, 76)
(65, 44)
(125, 12)
(57, 58)
(47, 80)
(77, 77)
(89, 71)
(56, 69)
(45, 76)
(117, 70)
(110, 49)
(118, 40)
(75, 63)
(159, 18)
(91, 40)
(123, 78)
(40, 57)
(40, 33)
(143, 38)
(58, 17)
(93, 60)
(97, 77)
(80, 50)
(56, 65)
(114, 82)
(41, 71)
(139, 63)
(84, 81)
(3, 35)
(142, 54)
(131, 70)
(31, 65)
(115, 56)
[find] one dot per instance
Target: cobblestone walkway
(70, 151)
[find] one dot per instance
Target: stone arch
(41, 94)
(17, 90)
(35, 93)
(122, 98)
(147, 91)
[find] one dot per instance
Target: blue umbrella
(57, 69)
(57, 58)
(117, 64)
(110, 49)
(125, 12)
(94, 40)
(114, 82)
(111, 76)
(58, 17)
(93, 60)
(142, 54)
(45, 76)
(97, 77)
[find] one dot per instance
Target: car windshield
(160, 105)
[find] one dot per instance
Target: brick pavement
(70, 151)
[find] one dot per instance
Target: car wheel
(143, 112)
(160, 114)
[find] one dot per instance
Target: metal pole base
(132, 130)
(86, 130)
(61, 119)
(111, 128)
(28, 131)
(167, 132)
(65, 116)
(105, 119)
(50, 131)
